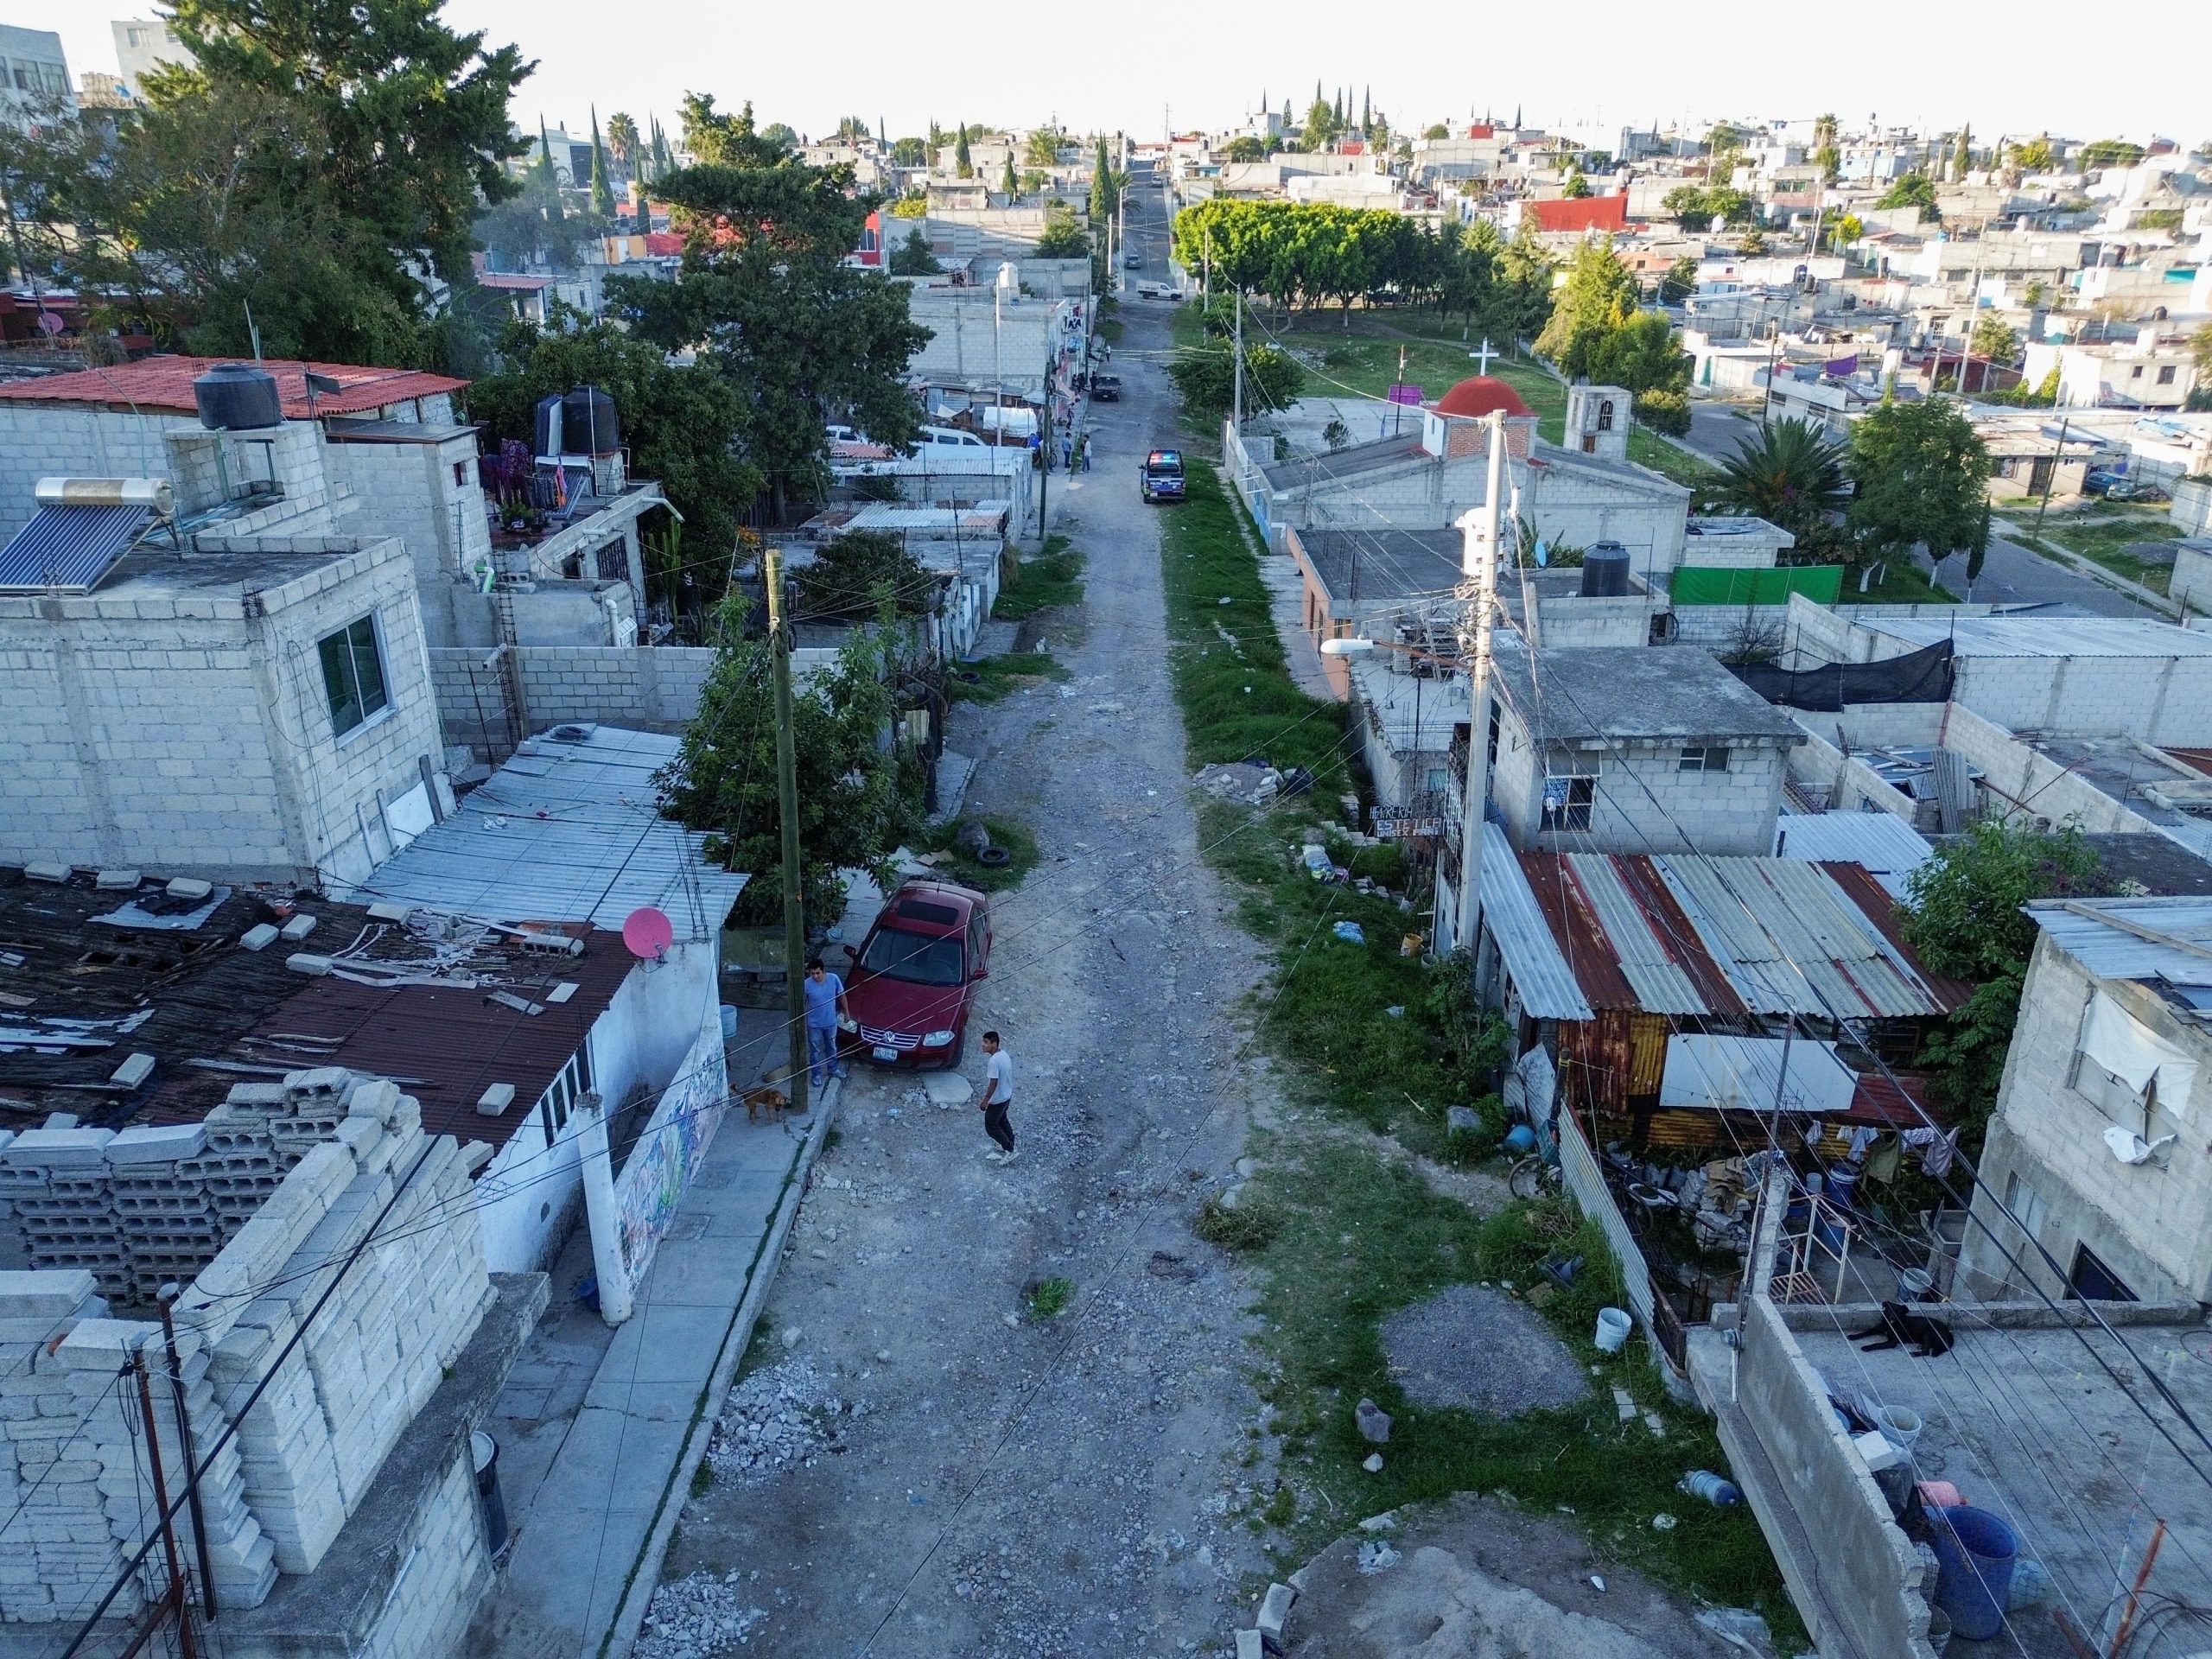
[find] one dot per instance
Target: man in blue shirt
(825, 1005)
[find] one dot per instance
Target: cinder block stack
(169, 1228)
(314, 1106)
(239, 1164)
(59, 1545)
(66, 1220)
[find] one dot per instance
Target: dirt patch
(1475, 1579)
(1479, 1349)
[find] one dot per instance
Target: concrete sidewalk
(598, 1428)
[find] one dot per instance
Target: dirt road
(928, 1469)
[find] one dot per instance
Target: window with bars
(352, 675)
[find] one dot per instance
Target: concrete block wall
(648, 686)
(188, 729)
(414, 493)
(375, 1352)
(2160, 699)
(2020, 782)
(448, 1568)
(2146, 1222)
(1644, 802)
(74, 1464)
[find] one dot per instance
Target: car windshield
(919, 958)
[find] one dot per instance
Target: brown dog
(774, 1102)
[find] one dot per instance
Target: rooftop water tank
(587, 424)
(1604, 571)
(238, 397)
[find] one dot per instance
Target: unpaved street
(930, 1470)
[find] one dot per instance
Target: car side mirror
(850, 952)
(980, 973)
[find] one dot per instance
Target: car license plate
(885, 1053)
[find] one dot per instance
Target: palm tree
(622, 140)
(1790, 475)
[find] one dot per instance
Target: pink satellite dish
(648, 932)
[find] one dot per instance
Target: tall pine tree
(602, 192)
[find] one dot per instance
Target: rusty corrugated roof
(164, 383)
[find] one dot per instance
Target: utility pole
(186, 1645)
(1045, 441)
(2051, 482)
(1237, 367)
(167, 1296)
(1478, 560)
(780, 644)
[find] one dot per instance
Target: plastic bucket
(1915, 1285)
(1900, 1426)
(1843, 1187)
(1974, 1553)
(1614, 1326)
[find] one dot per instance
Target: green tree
(852, 812)
(1526, 270)
(1961, 916)
(1690, 206)
(1753, 243)
(963, 164)
(2034, 156)
(1914, 189)
(1597, 298)
(412, 115)
(1008, 181)
(1576, 187)
(602, 192)
(1993, 339)
(854, 576)
(1826, 155)
(1245, 148)
(1436, 132)
(1923, 473)
(1320, 126)
(764, 296)
(910, 152)
(1730, 205)
(1042, 149)
(2111, 152)
(1062, 237)
(1206, 375)
(914, 257)
(1789, 473)
(718, 140)
(200, 192)
(1642, 353)
(682, 423)
(778, 134)
(1664, 410)
(1846, 230)
(1679, 282)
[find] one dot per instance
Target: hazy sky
(2010, 68)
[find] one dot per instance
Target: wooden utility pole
(167, 1296)
(186, 1646)
(780, 644)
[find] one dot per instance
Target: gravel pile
(1479, 1349)
(694, 1617)
(780, 1416)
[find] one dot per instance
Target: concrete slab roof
(2027, 1424)
(1358, 566)
(2045, 636)
(1601, 694)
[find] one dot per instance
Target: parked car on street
(1133, 261)
(1159, 475)
(1105, 388)
(912, 983)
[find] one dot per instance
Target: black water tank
(587, 424)
(238, 397)
(1604, 571)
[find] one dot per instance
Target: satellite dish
(648, 932)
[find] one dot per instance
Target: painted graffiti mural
(667, 1155)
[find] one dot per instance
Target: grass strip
(1051, 577)
(994, 676)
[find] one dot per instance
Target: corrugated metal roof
(2113, 952)
(1882, 842)
(1660, 984)
(69, 548)
(1532, 956)
(1791, 942)
(569, 830)
(164, 382)
(1575, 928)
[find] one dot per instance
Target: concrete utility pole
(1479, 559)
(1236, 368)
(780, 642)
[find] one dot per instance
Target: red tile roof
(164, 383)
(1583, 214)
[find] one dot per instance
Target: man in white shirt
(998, 1096)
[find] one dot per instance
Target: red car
(913, 982)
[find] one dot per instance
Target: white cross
(1483, 356)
